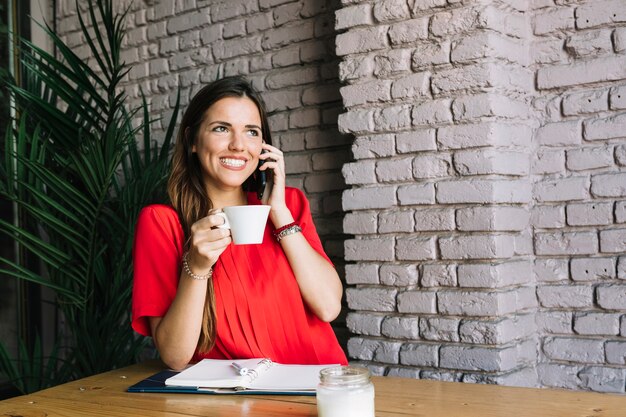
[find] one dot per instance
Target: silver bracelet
(191, 274)
(288, 231)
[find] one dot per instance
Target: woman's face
(229, 142)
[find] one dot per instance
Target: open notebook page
(288, 377)
(215, 373)
(263, 375)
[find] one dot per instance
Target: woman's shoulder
(159, 210)
(159, 213)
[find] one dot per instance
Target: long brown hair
(185, 185)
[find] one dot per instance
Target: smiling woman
(199, 295)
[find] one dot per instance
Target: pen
(242, 371)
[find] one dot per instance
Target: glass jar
(345, 391)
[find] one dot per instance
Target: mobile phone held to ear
(263, 181)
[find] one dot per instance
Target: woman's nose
(237, 142)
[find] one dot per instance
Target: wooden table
(105, 395)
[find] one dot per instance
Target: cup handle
(226, 224)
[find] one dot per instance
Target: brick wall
(487, 189)
(485, 213)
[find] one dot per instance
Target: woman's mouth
(233, 163)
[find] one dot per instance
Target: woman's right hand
(207, 243)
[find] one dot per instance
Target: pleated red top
(260, 311)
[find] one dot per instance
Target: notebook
(156, 384)
(248, 376)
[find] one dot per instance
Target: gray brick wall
(487, 189)
(474, 150)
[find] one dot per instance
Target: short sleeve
(157, 251)
(300, 210)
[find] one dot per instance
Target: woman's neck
(223, 198)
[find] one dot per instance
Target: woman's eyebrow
(230, 125)
(219, 122)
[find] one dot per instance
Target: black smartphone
(264, 182)
(261, 182)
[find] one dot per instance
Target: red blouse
(260, 311)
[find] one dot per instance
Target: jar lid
(344, 375)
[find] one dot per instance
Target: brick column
(438, 98)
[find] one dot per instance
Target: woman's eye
(219, 129)
(253, 133)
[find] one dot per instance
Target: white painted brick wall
(401, 327)
(439, 275)
(587, 214)
(597, 324)
(548, 161)
(365, 323)
(592, 269)
(591, 101)
(574, 349)
(494, 275)
(399, 275)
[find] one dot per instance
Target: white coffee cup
(246, 223)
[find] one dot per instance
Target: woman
(198, 295)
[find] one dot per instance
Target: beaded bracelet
(287, 226)
(294, 228)
(187, 270)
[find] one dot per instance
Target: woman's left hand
(274, 161)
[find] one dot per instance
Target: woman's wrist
(194, 271)
(281, 217)
(286, 230)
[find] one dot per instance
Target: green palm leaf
(18, 271)
(49, 253)
(82, 104)
(71, 66)
(65, 192)
(79, 179)
(28, 371)
(51, 205)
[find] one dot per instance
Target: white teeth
(232, 162)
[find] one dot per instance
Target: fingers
(209, 222)
(212, 249)
(271, 153)
(273, 159)
(208, 241)
(276, 166)
(207, 230)
(271, 149)
(204, 253)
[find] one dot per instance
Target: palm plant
(78, 176)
